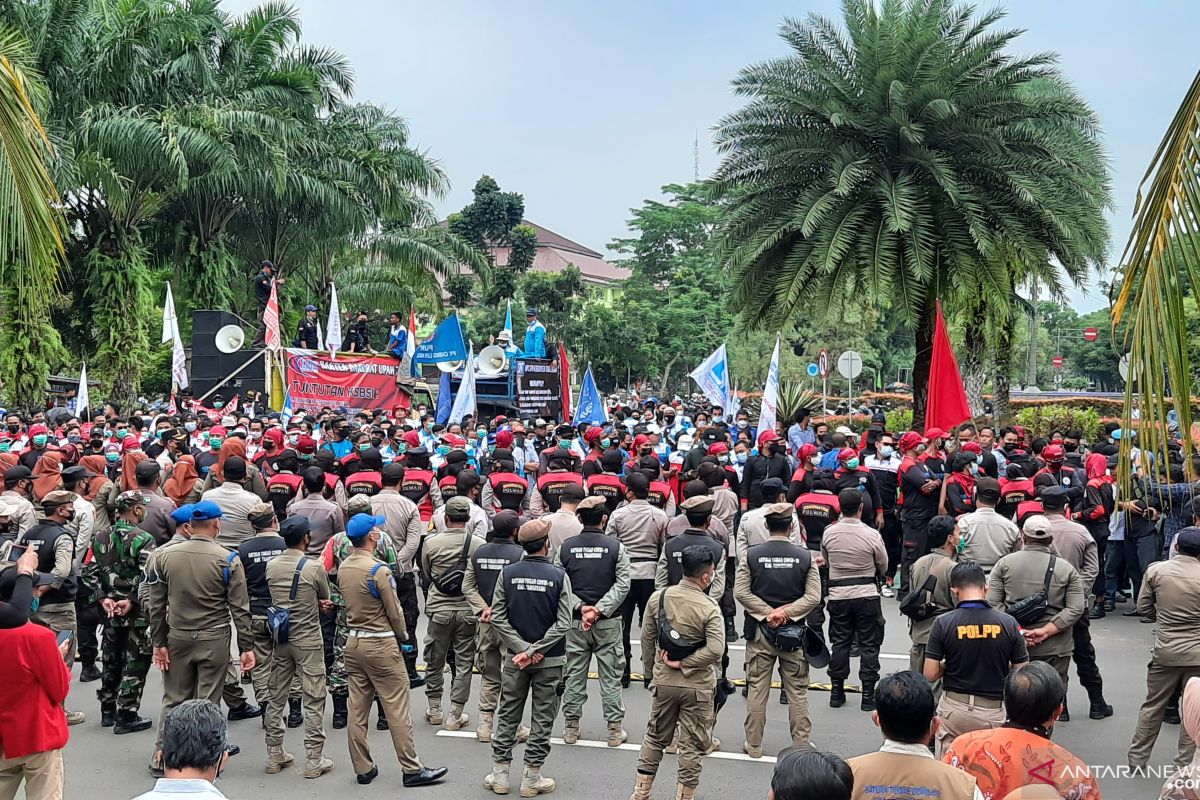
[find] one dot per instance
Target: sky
(588, 108)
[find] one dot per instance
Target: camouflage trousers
(337, 680)
(125, 651)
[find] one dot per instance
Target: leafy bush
(1042, 420)
(899, 420)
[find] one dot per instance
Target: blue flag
(590, 407)
(442, 413)
(508, 320)
(446, 343)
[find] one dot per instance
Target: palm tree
(31, 243)
(1162, 259)
(901, 160)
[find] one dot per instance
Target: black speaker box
(209, 365)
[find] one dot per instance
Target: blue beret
(362, 524)
(182, 514)
(206, 510)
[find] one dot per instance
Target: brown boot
(277, 759)
(616, 734)
(641, 787)
(571, 732)
(685, 792)
(316, 765)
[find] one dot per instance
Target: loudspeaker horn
(491, 361)
(449, 366)
(230, 339)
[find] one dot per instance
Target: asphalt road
(101, 766)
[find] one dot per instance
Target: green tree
(494, 219)
(905, 158)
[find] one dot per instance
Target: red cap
(972, 447)
(306, 445)
(411, 438)
(718, 448)
(807, 451)
(935, 433)
(910, 440)
(217, 430)
(640, 440)
(504, 439)
(38, 429)
(456, 441)
(130, 443)
(1053, 454)
(767, 436)
(847, 453)
(593, 434)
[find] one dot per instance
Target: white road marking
(896, 656)
(628, 746)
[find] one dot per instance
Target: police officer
(405, 529)
(255, 552)
(753, 528)
(1019, 575)
(300, 585)
(451, 621)
(1075, 543)
(55, 547)
(598, 567)
(642, 528)
(698, 511)
(119, 558)
(262, 295)
(531, 613)
(306, 331)
(1170, 594)
(479, 587)
(373, 663)
(194, 588)
(683, 640)
(931, 576)
(778, 586)
(971, 649)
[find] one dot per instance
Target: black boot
(837, 694)
(868, 696)
(1097, 611)
(730, 630)
(244, 711)
(295, 718)
(1099, 709)
(89, 673)
(108, 715)
(1171, 712)
(129, 722)
(1065, 716)
(339, 711)
(381, 724)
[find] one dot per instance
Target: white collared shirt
(177, 788)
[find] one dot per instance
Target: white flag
(82, 400)
(464, 401)
(770, 399)
(735, 404)
(333, 326)
(320, 337)
(713, 378)
(178, 362)
(170, 328)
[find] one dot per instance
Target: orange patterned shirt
(1004, 759)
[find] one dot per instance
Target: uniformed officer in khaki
(944, 535)
(598, 567)
(531, 612)
(451, 621)
(778, 585)
(1021, 574)
(683, 687)
(1170, 594)
(300, 585)
(195, 586)
(374, 667)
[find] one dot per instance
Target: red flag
(271, 321)
(564, 377)
(947, 404)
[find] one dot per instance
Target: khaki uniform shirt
(1022, 574)
(24, 517)
(305, 630)
(563, 525)
(753, 530)
(853, 549)
(642, 528)
(1171, 593)
(158, 522)
(716, 528)
(1073, 542)
(987, 537)
(936, 563)
(442, 551)
(188, 592)
(364, 612)
(325, 517)
(696, 618)
(403, 525)
(235, 503)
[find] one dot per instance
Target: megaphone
(491, 361)
(449, 366)
(230, 339)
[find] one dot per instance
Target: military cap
(700, 503)
(778, 511)
(58, 498)
(533, 530)
(458, 509)
(130, 499)
(595, 501)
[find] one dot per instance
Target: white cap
(653, 428)
(842, 429)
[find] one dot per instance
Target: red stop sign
(1058, 362)
(1090, 334)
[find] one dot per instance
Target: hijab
(1097, 467)
(183, 479)
(94, 463)
(233, 446)
(129, 461)
(8, 461)
(47, 474)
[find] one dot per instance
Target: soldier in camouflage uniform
(119, 562)
(336, 550)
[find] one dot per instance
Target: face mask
(815, 461)
(74, 438)
(190, 427)
(886, 451)
(14, 428)
(364, 446)
(1069, 448)
(305, 456)
(428, 426)
(741, 458)
(218, 405)
(33, 604)
(122, 434)
(960, 545)
(852, 463)
(743, 424)
(1010, 446)
(294, 438)
(215, 442)
(481, 432)
(974, 469)
(4, 446)
(778, 448)
(402, 448)
(605, 443)
(979, 459)
(376, 442)
(723, 459)
(255, 435)
(112, 458)
(443, 449)
(39, 441)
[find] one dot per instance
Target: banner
(712, 376)
(271, 320)
(770, 399)
(591, 404)
(445, 399)
(564, 380)
(464, 399)
(539, 390)
(446, 344)
(352, 382)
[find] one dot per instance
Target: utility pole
(696, 158)
(1031, 367)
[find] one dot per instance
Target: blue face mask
(363, 446)
(443, 449)
(741, 458)
(190, 427)
(34, 604)
(979, 458)
(852, 463)
(112, 458)
(604, 443)
(886, 451)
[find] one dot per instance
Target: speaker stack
(211, 363)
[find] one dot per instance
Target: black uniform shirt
(979, 645)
